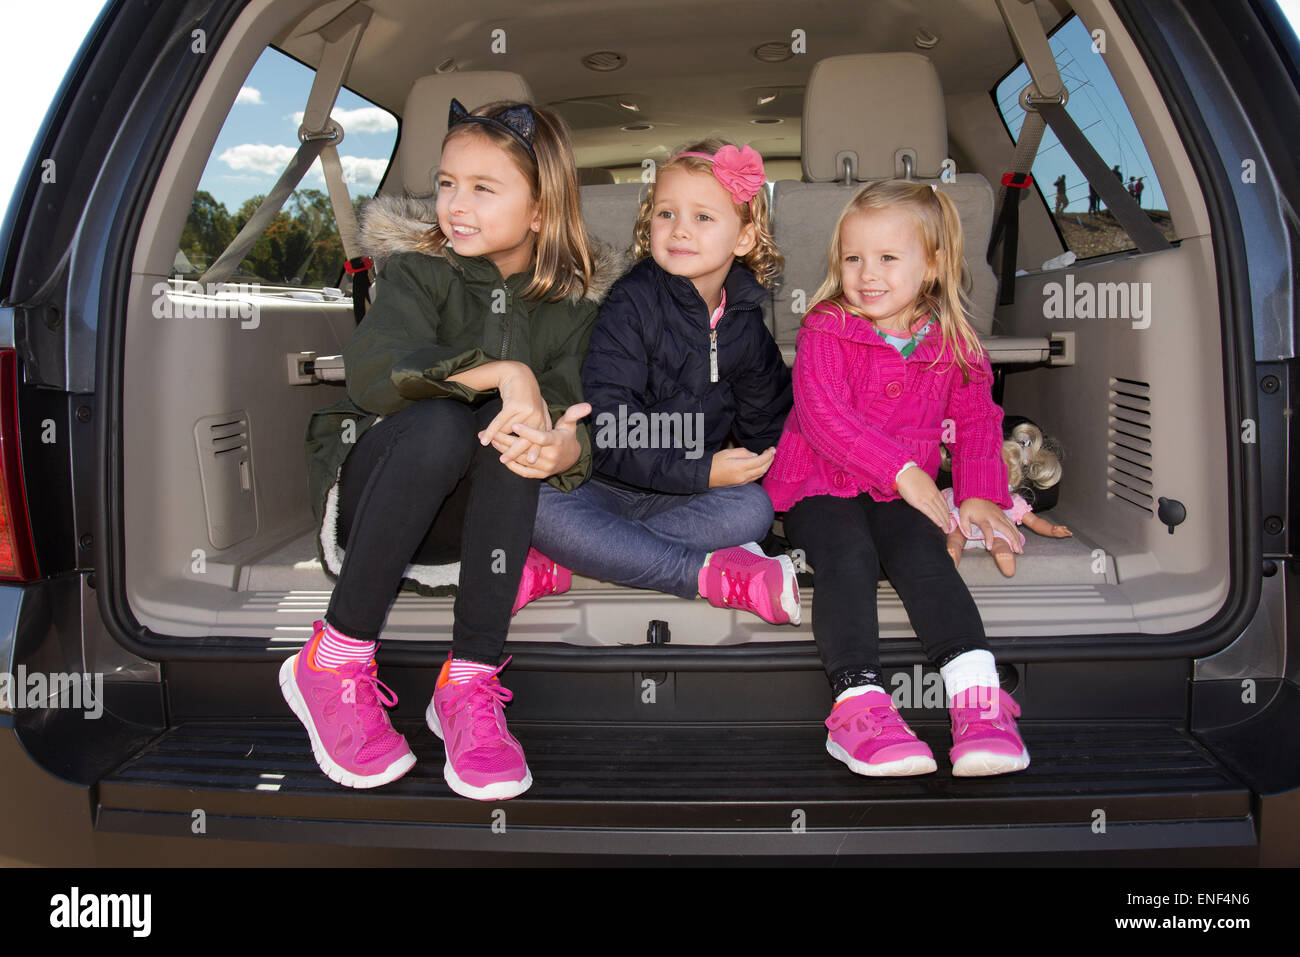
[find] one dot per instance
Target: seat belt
(318, 136)
(1044, 103)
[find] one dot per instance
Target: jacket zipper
(505, 332)
(713, 344)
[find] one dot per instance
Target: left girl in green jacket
(464, 391)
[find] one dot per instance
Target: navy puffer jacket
(650, 354)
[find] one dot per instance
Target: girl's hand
(739, 466)
(919, 491)
(521, 403)
(983, 513)
(556, 449)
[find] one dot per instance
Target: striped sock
(337, 649)
(461, 670)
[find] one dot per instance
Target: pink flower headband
(739, 170)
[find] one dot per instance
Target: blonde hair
(562, 259)
(1032, 458)
(944, 296)
(764, 260)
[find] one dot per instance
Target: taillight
(17, 553)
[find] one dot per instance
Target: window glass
(301, 246)
(1087, 228)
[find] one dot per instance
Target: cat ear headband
(518, 121)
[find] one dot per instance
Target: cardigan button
(894, 389)
(837, 479)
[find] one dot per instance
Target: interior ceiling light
(604, 61)
(446, 66)
(637, 127)
(629, 106)
(925, 39)
(767, 120)
(764, 100)
(775, 52)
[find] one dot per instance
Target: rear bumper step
(694, 789)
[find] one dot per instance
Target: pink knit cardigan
(861, 411)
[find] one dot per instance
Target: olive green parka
(434, 315)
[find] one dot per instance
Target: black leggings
(419, 488)
(847, 541)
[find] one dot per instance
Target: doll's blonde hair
(764, 260)
(1033, 460)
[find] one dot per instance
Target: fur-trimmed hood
(395, 224)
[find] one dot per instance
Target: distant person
(1132, 188)
(1061, 201)
(1137, 190)
(1118, 175)
(1094, 201)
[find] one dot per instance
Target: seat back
(880, 116)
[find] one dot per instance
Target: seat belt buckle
(360, 264)
(1010, 179)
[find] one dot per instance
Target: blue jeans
(646, 539)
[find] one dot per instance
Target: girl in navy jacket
(679, 359)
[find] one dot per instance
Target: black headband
(518, 121)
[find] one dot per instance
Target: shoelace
(542, 582)
(737, 584)
(484, 697)
(368, 694)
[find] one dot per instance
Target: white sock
(972, 669)
(854, 692)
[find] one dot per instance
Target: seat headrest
(874, 108)
(424, 119)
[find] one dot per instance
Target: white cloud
(258, 157)
(248, 94)
(367, 119)
(360, 172)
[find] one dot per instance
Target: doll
(1032, 466)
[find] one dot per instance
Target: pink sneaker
(869, 735)
(343, 710)
(484, 760)
(985, 740)
(541, 577)
(744, 577)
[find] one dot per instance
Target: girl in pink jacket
(887, 368)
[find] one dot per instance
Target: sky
(39, 42)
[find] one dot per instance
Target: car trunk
(220, 535)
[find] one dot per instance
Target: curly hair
(764, 260)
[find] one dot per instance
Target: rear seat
(882, 115)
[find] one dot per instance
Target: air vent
(605, 61)
(777, 51)
(1128, 446)
(225, 449)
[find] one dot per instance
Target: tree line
(300, 247)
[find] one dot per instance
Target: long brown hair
(945, 295)
(562, 261)
(764, 260)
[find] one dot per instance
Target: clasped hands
(529, 443)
